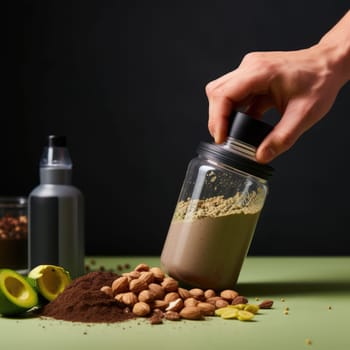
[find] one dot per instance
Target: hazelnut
(221, 303)
(213, 300)
(170, 284)
(197, 293)
(141, 309)
(228, 294)
(209, 293)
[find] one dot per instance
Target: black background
(125, 82)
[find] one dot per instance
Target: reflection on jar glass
(13, 233)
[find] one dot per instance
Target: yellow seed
(286, 308)
(245, 315)
(283, 300)
(285, 312)
(229, 313)
(329, 307)
(257, 298)
(308, 341)
(239, 306)
(252, 308)
(220, 311)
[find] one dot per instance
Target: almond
(171, 296)
(159, 304)
(141, 267)
(147, 276)
(184, 293)
(170, 284)
(175, 305)
(239, 300)
(157, 273)
(129, 298)
(156, 318)
(157, 290)
(137, 285)
(120, 285)
(191, 302)
(119, 297)
(206, 308)
(172, 316)
(266, 304)
(191, 313)
(131, 275)
(107, 290)
(146, 296)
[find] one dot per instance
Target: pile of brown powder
(82, 301)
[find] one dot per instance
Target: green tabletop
(315, 290)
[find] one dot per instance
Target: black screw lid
(56, 141)
(247, 129)
(219, 153)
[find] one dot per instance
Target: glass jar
(13, 233)
(218, 209)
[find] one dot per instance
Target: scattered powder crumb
(308, 341)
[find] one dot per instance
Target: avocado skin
(7, 307)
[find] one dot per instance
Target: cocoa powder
(82, 301)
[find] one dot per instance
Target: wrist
(334, 47)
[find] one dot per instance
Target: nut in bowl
(13, 233)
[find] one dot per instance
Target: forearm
(335, 44)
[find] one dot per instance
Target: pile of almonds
(149, 292)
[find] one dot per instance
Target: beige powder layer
(209, 239)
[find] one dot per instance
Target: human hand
(302, 85)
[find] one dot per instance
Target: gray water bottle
(55, 213)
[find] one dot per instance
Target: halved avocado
(49, 280)
(16, 294)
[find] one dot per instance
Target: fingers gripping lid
(247, 129)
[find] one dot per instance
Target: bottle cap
(247, 129)
(56, 141)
